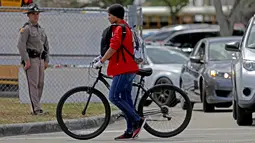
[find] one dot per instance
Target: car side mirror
(196, 59)
(233, 46)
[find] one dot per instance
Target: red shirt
(130, 66)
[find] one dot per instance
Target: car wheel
(168, 98)
(234, 110)
(206, 107)
(243, 117)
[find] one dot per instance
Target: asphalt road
(217, 127)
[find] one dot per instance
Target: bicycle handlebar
(100, 71)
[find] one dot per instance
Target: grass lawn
(12, 111)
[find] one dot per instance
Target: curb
(50, 126)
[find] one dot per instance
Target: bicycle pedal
(168, 117)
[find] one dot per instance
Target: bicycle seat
(144, 72)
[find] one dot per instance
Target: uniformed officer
(34, 51)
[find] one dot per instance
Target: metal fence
(74, 37)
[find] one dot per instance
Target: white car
(243, 73)
(166, 64)
(149, 32)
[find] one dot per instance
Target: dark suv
(166, 32)
(186, 40)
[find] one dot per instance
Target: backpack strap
(123, 47)
(128, 52)
(122, 39)
(123, 26)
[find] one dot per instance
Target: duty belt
(34, 54)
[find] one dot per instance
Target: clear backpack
(139, 47)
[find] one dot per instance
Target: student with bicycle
(123, 72)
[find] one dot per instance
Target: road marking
(197, 129)
(182, 135)
(140, 140)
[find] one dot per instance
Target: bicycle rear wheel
(164, 114)
(71, 106)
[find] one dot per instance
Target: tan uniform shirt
(32, 37)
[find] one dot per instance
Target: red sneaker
(139, 127)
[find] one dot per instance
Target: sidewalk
(51, 126)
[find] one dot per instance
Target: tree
(175, 7)
(240, 12)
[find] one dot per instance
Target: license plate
(224, 83)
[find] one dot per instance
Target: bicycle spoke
(167, 119)
(75, 102)
(152, 112)
(155, 120)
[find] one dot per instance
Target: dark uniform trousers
(35, 78)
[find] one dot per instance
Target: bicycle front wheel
(161, 118)
(77, 122)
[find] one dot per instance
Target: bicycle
(163, 109)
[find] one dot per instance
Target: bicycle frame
(102, 77)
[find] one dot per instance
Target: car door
(235, 69)
(194, 69)
(187, 76)
(197, 68)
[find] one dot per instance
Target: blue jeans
(120, 96)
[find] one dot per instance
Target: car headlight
(249, 65)
(226, 75)
(214, 73)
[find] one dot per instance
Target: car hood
(221, 66)
(176, 68)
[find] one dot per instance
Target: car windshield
(251, 38)
(165, 56)
(217, 52)
(160, 36)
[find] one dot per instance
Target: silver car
(243, 73)
(206, 77)
(166, 64)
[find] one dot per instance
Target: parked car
(206, 76)
(187, 39)
(166, 32)
(149, 32)
(186, 26)
(166, 64)
(243, 73)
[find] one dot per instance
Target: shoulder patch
(23, 27)
(21, 30)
